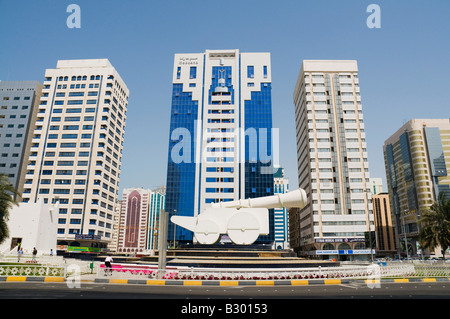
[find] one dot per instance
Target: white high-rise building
(332, 163)
(281, 220)
(76, 152)
(18, 110)
(376, 185)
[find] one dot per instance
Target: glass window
(76, 93)
(70, 136)
(250, 71)
(78, 110)
(75, 102)
(193, 72)
(72, 118)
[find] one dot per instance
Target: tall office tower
(332, 162)
(133, 227)
(385, 232)
(220, 146)
(281, 220)
(76, 151)
(157, 202)
(19, 104)
(417, 161)
(139, 218)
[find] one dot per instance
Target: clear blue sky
(404, 66)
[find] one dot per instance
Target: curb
(35, 279)
(224, 283)
(407, 280)
(298, 282)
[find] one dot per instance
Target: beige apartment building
(417, 161)
(76, 151)
(332, 163)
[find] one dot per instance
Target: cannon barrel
(295, 198)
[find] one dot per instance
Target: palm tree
(435, 222)
(6, 203)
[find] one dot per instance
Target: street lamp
(174, 228)
(404, 233)
(162, 242)
(370, 240)
(370, 226)
(418, 243)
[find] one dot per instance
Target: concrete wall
(36, 224)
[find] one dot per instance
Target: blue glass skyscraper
(220, 142)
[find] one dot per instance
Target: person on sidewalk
(33, 259)
(19, 254)
(108, 266)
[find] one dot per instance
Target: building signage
(188, 61)
(327, 252)
(83, 249)
(339, 240)
(87, 237)
(344, 252)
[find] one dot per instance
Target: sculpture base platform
(235, 256)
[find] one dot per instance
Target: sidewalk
(89, 275)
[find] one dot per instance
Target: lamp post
(370, 226)
(162, 242)
(370, 239)
(404, 233)
(418, 243)
(174, 229)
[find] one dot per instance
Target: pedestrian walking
(108, 266)
(33, 259)
(19, 254)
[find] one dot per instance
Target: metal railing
(30, 270)
(415, 269)
(431, 268)
(372, 271)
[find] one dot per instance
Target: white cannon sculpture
(242, 220)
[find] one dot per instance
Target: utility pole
(162, 242)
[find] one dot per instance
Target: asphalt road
(354, 290)
(220, 302)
